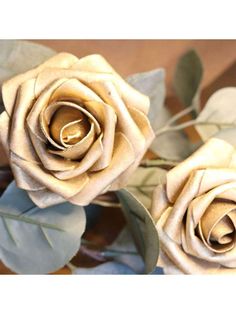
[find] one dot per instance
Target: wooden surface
(133, 56)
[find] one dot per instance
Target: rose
(73, 129)
(195, 212)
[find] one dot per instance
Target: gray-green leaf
(142, 228)
(143, 181)
(172, 145)
(187, 79)
(34, 240)
(17, 56)
(220, 109)
(152, 84)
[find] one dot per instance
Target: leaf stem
(180, 114)
(29, 221)
(187, 124)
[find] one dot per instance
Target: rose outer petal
(96, 63)
(10, 87)
(98, 181)
(209, 155)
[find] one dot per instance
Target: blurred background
(131, 56)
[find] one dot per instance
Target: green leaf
(172, 145)
(34, 240)
(143, 181)
(220, 109)
(142, 228)
(187, 79)
(17, 56)
(152, 84)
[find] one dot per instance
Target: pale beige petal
(39, 105)
(184, 262)
(4, 131)
(48, 76)
(74, 90)
(206, 199)
(215, 225)
(66, 189)
(148, 135)
(85, 164)
(78, 150)
(106, 117)
(48, 113)
(122, 157)
(192, 243)
(159, 202)
(68, 126)
(10, 87)
(25, 181)
(168, 266)
(209, 155)
(173, 225)
(51, 161)
(20, 142)
(132, 97)
(195, 244)
(125, 122)
(45, 198)
(214, 177)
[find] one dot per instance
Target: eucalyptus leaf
(17, 56)
(143, 181)
(220, 109)
(108, 268)
(152, 84)
(171, 145)
(187, 79)
(34, 240)
(142, 228)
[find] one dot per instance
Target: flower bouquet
(98, 176)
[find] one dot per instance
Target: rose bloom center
(69, 126)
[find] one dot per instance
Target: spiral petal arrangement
(73, 129)
(195, 212)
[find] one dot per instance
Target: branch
(190, 123)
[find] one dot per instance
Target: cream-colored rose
(195, 212)
(73, 129)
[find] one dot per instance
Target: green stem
(191, 123)
(180, 114)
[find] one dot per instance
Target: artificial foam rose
(73, 129)
(195, 212)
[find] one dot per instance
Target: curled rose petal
(73, 129)
(196, 212)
